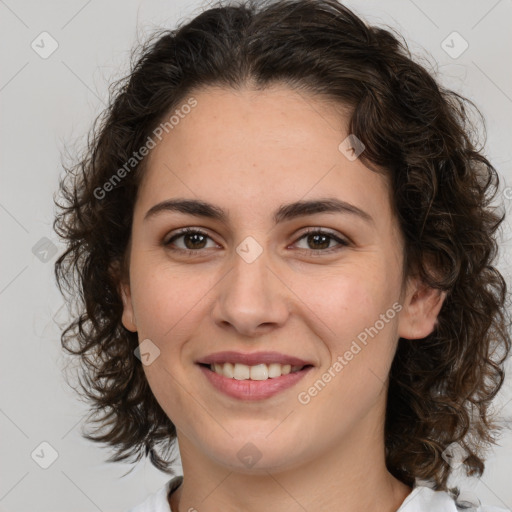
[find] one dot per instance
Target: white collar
(425, 499)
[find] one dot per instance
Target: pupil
(195, 236)
(325, 244)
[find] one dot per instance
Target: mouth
(258, 372)
(252, 383)
(252, 376)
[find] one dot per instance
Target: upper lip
(252, 359)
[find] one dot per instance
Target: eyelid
(342, 240)
(185, 231)
(325, 231)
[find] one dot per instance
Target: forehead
(266, 146)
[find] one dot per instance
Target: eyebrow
(285, 212)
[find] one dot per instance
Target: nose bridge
(251, 296)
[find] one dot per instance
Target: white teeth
(259, 372)
(240, 371)
(227, 369)
(274, 370)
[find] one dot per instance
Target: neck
(351, 476)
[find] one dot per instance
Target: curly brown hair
(442, 187)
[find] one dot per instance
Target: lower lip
(253, 389)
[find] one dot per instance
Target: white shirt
(421, 499)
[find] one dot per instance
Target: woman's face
(256, 281)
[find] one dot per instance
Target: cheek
(166, 300)
(348, 298)
(356, 320)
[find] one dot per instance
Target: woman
(282, 238)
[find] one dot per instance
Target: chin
(255, 454)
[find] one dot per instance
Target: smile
(261, 371)
(242, 386)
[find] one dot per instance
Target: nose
(252, 298)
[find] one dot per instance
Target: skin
(248, 152)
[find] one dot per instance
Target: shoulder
(157, 502)
(425, 499)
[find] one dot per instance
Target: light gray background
(47, 104)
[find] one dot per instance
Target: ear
(418, 317)
(128, 318)
(123, 284)
(121, 281)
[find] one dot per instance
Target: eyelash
(311, 231)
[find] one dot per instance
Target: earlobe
(128, 318)
(122, 282)
(420, 311)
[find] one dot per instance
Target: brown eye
(318, 240)
(193, 240)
